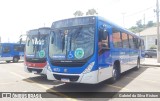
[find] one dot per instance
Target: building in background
(150, 37)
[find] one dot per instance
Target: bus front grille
(70, 77)
(32, 69)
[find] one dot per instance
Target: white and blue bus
(90, 50)
(11, 52)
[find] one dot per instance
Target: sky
(19, 16)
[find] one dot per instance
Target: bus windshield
(36, 46)
(72, 43)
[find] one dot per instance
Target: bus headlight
(89, 68)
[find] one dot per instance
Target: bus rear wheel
(15, 59)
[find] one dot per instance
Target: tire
(8, 61)
(138, 65)
(146, 56)
(15, 59)
(115, 74)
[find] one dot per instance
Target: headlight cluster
(89, 68)
(48, 67)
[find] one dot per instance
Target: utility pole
(144, 18)
(123, 14)
(158, 36)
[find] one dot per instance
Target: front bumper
(35, 70)
(88, 78)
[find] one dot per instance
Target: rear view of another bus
(36, 50)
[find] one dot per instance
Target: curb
(150, 65)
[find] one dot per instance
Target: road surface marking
(118, 87)
(5, 83)
(44, 87)
(143, 80)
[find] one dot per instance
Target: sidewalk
(150, 62)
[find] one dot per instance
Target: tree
(133, 29)
(150, 24)
(91, 12)
(139, 23)
(78, 13)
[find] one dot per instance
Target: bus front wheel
(115, 74)
(138, 64)
(15, 59)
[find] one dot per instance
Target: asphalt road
(14, 79)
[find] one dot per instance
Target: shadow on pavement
(74, 90)
(102, 90)
(41, 79)
(4, 62)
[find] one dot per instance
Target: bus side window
(117, 42)
(6, 49)
(125, 40)
(103, 39)
(17, 47)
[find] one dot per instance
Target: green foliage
(140, 27)
(150, 24)
(89, 12)
(153, 47)
(133, 29)
(78, 13)
(139, 23)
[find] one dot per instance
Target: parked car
(150, 53)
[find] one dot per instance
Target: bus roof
(42, 31)
(102, 19)
(117, 26)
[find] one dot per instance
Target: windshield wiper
(63, 43)
(39, 35)
(76, 33)
(65, 40)
(34, 46)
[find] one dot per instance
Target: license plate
(34, 71)
(65, 80)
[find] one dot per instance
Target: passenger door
(104, 58)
